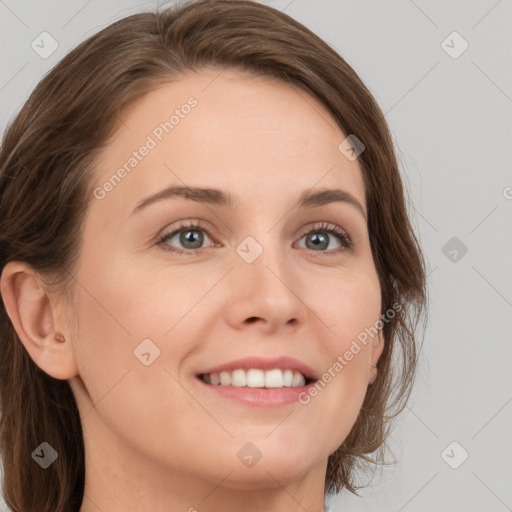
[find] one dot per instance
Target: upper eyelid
(195, 224)
(189, 223)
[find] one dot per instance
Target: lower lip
(260, 397)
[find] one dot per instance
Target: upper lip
(282, 362)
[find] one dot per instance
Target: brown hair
(46, 163)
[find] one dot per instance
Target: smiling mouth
(256, 378)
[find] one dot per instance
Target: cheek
(355, 327)
(348, 305)
(115, 316)
(133, 300)
(350, 309)
(121, 306)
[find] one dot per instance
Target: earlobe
(33, 315)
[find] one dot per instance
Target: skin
(154, 438)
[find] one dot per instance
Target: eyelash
(324, 227)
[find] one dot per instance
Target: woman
(209, 280)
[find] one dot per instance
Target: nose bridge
(265, 287)
(264, 259)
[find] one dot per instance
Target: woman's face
(262, 277)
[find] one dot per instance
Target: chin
(266, 468)
(270, 476)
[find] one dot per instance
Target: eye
(319, 238)
(189, 235)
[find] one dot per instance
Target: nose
(266, 295)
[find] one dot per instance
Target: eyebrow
(308, 198)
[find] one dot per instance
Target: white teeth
(274, 379)
(238, 379)
(287, 378)
(256, 378)
(225, 378)
(298, 380)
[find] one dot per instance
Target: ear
(376, 351)
(377, 347)
(37, 320)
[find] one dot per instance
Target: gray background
(451, 120)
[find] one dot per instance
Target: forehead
(227, 129)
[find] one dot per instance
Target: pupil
(321, 239)
(192, 237)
